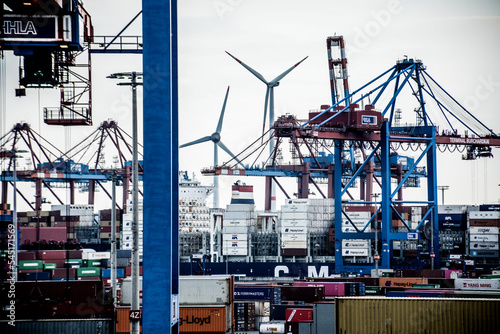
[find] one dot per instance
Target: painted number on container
(135, 315)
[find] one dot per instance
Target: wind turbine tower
(269, 101)
(216, 139)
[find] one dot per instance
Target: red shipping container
(107, 229)
(63, 272)
(331, 288)
(26, 256)
(88, 278)
(64, 224)
(128, 271)
(24, 271)
(51, 255)
(299, 315)
(75, 254)
(484, 222)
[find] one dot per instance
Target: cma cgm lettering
(267, 269)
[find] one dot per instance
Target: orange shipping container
(122, 321)
(401, 282)
(203, 320)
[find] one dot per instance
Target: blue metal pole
(337, 193)
(386, 195)
(160, 261)
(433, 196)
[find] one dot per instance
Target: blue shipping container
(256, 293)
(106, 273)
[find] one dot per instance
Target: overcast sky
(457, 41)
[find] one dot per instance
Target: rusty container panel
(417, 315)
(203, 320)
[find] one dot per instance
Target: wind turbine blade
(221, 118)
(254, 72)
(224, 147)
(197, 141)
(265, 110)
(282, 75)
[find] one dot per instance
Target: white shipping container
(452, 209)
(484, 214)
(355, 252)
(484, 245)
(351, 229)
(357, 223)
(239, 215)
(235, 237)
(295, 208)
(295, 223)
(294, 237)
(294, 244)
(353, 243)
(484, 230)
(285, 229)
(301, 215)
(98, 255)
(233, 251)
(235, 244)
(396, 245)
(477, 284)
(240, 207)
(484, 237)
(234, 229)
(359, 214)
(238, 222)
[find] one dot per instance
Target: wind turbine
(216, 139)
(269, 101)
(270, 88)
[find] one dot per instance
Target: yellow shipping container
(417, 315)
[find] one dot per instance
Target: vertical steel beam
(337, 185)
(386, 195)
(432, 197)
(161, 263)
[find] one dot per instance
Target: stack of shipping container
(484, 231)
(239, 220)
(299, 219)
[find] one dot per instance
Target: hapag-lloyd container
(204, 319)
(402, 282)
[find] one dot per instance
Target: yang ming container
(416, 315)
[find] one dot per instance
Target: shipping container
(477, 284)
(484, 230)
(299, 315)
(204, 319)
(401, 282)
(33, 264)
(355, 252)
(235, 237)
(416, 315)
(303, 293)
(256, 293)
(332, 289)
(83, 326)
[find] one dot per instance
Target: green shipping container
(75, 261)
(32, 264)
(91, 263)
(88, 272)
(49, 266)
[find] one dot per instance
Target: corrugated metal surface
(203, 320)
(122, 320)
(417, 315)
(87, 326)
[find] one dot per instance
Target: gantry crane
(378, 135)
